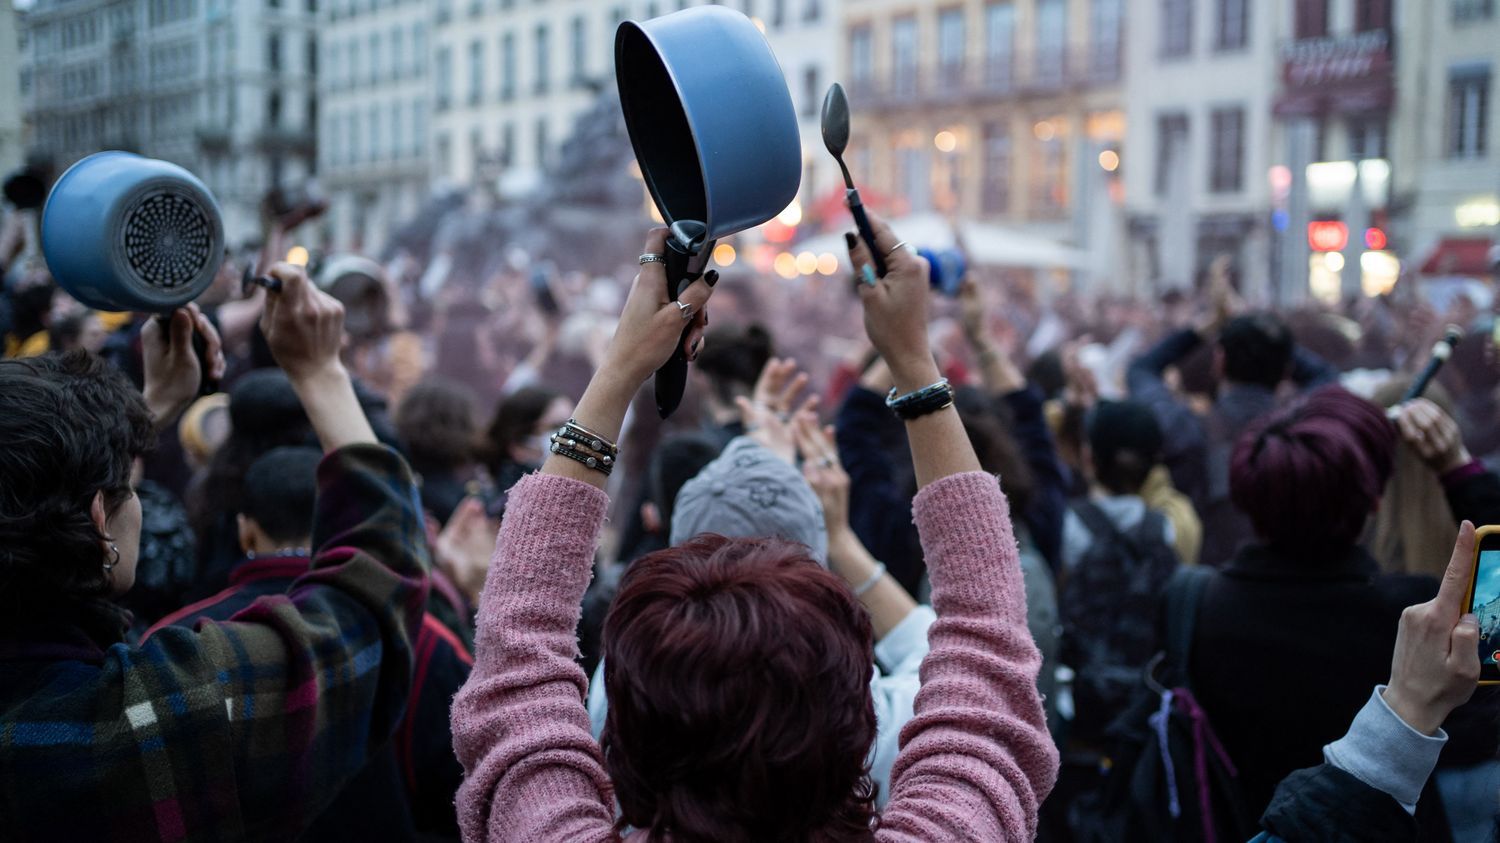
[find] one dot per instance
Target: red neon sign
(1327, 236)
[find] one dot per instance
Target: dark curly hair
(72, 426)
(738, 674)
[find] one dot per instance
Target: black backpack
(1166, 777)
(1108, 608)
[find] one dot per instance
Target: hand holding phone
(1483, 600)
(1436, 663)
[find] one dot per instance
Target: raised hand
(304, 326)
(824, 473)
(768, 414)
(464, 547)
(1433, 434)
(651, 323)
(1435, 668)
(172, 370)
(896, 308)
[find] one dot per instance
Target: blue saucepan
(123, 232)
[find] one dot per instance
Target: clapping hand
(768, 415)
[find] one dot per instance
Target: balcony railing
(1034, 73)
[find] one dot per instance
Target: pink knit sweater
(976, 760)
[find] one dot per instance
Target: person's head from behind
(70, 522)
(1310, 475)
(277, 503)
(438, 425)
(677, 460)
(1255, 349)
(738, 675)
(998, 453)
(1125, 443)
(77, 328)
(732, 359)
(523, 424)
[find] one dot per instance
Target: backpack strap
(1100, 527)
(1184, 593)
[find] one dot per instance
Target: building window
(1104, 58)
(578, 34)
(543, 57)
(508, 145)
(312, 55)
(812, 11)
(1233, 30)
(1176, 28)
(1227, 160)
(273, 52)
(1472, 10)
(1049, 169)
(1372, 15)
(904, 55)
(418, 49)
(398, 132)
(508, 66)
(1367, 138)
(778, 14)
(999, 45)
(476, 149)
(998, 161)
(861, 59)
(476, 72)
(273, 109)
(444, 156)
(442, 68)
(951, 47)
(398, 52)
(377, 145)
(912, 178)
(812, 96)
(1468, 111)
(443, 13)
(1051, 41)
(1171, 143)
(1311, 19)
(376, 61)
(541, 144)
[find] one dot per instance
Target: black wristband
(928, 399)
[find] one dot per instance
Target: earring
(114, 552)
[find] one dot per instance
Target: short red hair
(738, 673)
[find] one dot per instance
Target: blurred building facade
(375, 88)
(1446, 143)
(1003, 110)
(1200, 81)
(10, 91)
(510, 77)
(222, 88)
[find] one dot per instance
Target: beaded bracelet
(928, 399)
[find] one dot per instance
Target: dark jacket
(232, 731)
(409, 786)
(1324, 804)
(1285, 654)
(1473, 494)
(1196, 448)
(873, 448)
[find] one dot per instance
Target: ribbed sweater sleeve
(977, 760)
(533, 770)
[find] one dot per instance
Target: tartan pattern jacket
(241, 730)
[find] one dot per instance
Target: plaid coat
(241, 730)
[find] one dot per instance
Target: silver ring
(650, 257)
(896, 248)
(684, 308)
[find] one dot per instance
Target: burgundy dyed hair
(1310, 475)
(738, 673)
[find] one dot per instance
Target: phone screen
(1486, 604)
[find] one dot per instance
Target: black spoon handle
(862, 221)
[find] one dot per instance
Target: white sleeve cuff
(1385, 753)
(903, 648)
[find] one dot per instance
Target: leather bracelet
(602, 463)
(928, 399)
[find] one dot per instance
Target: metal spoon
(836, 139)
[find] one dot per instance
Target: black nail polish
(850, 239)
(711, 277)
(693, 352)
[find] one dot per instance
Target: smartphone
(1484, 601)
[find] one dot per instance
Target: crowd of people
(357, 558)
